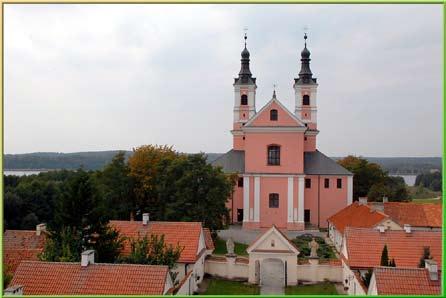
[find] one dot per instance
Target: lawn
(220, 248)
(426, 201)
(228, 287)
(325, 288)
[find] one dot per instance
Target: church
(283, 180)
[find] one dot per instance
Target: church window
(326, 183)
(244, 100)
(306, 100)
(243, 138)
(305, 138)
(339, 183)
(273, 200)
(274, 155)
(240, 182)
(273, 115)
(307, 183)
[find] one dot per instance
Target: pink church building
(283, 179)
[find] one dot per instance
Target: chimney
(381, 228)
(145, 218)
(40, 228)
(362, 200)
(14, 290)
(432, 268)
(87, 258)
(385, 199)
(407, 228)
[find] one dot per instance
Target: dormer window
(244, 100)
(273, 115)
(273, 155)
(306, 100)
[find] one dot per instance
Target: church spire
(245, 75)
(305, 74)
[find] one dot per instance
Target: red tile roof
(208, 239)
(417, 215)
(185, 234)
(54, 278)
(21, 245)
(364, 246)
(405, 281)
(356, 215)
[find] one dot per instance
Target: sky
(106, 77)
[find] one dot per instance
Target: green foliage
(324, 251)
(220, 248)
(152, 251)
(367, 277)
(7, 275)
(384, 257)
(426, 256)
(392, 187)
(433, 181)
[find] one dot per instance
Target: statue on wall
(314, 246)
(230, 247)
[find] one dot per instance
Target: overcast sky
(103, 77)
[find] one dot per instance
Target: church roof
(232, 161)
(317, 163)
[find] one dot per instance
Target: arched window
(244, 100)
(306, 100)
(274, 155)
(273, 115)
(273, 200)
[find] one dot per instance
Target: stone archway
(272, 272)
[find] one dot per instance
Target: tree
(385, 257)
(426, 256)
(367, 277)
(393, 188)
(116, 186)
(365, 174)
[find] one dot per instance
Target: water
(22, 172)
(409, 179)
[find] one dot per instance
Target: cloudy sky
(102, 77)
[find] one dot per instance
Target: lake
(22, 172)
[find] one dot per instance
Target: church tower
(305, 89)
(244, 99)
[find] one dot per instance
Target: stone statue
(230, 247)
(314, 246)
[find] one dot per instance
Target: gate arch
(272, 272)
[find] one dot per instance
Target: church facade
(283, 180)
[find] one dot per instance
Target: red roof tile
(405, 281)
(356, 215)
(21, 245)
(417, 215)
(185, 234)
(208, 239)
(364, 246)
(54, 278)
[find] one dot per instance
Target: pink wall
(284, 119)
(238, 143)
(306, 112)
(331, 199)
(310, 143)
(270, 216)
(291, 152)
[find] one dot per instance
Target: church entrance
(239, 215)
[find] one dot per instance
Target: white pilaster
(290, 199)
(300, 200)
(256, 199)
(349, 189)
(245, 198)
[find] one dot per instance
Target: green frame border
(443, 2)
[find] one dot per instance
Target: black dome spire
(245, 75)
(305, 74)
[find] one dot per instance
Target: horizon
(114, 76)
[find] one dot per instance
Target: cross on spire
(246, 34)
(274, 90)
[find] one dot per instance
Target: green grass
(228, 287)
(418, 193)
(325, 288)
(426, 201)
(220, 248)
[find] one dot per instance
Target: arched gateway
(273, 260)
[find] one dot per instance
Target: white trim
(300, 200)
(349, 190)
(256, 199)
(237, 133)
(265, 235)
(245, 198)
(274, 128)
(295, 214)
(290, 198)
(251, 214)
(280, 105)
(311, 132)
